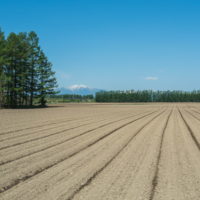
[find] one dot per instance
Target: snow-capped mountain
(78, 89)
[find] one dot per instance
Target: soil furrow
(16, 182)
(56, 133)
(195, 111)
(193, 115)
(34, 132)
(68, 139)
(155, 178)
(190, 130)
(32, 127)
(91, 178)
(59, 122)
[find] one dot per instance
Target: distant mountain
(78, 89)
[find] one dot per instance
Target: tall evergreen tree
(25, 72)
(23, 68)
(47, 82)
(34, 53)
(16, 67)
(12, 68)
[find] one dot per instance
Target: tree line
(71, 98)
(26, 74)
(148, 96)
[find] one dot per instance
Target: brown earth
(101, 151)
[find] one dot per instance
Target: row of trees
(25, 73)
(71, 98)
(148, 96)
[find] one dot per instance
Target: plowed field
(101, 151)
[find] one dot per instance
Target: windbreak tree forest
(26, 75)
(148, 96)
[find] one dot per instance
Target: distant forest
(26, 76)
(70, 98)
(148, 96)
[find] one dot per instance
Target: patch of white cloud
(151, 78)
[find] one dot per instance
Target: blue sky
(114, 44)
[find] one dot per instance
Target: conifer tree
(34, 51)
(25, 72)
(12, 68)
(47, 81)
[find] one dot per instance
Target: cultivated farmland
(101, 151)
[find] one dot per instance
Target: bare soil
(101, 151)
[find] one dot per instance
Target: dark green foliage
(148, 96)
(46, 79)
(70, 98)
(2, 67)
(25, 72)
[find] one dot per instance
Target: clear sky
(114, 44)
